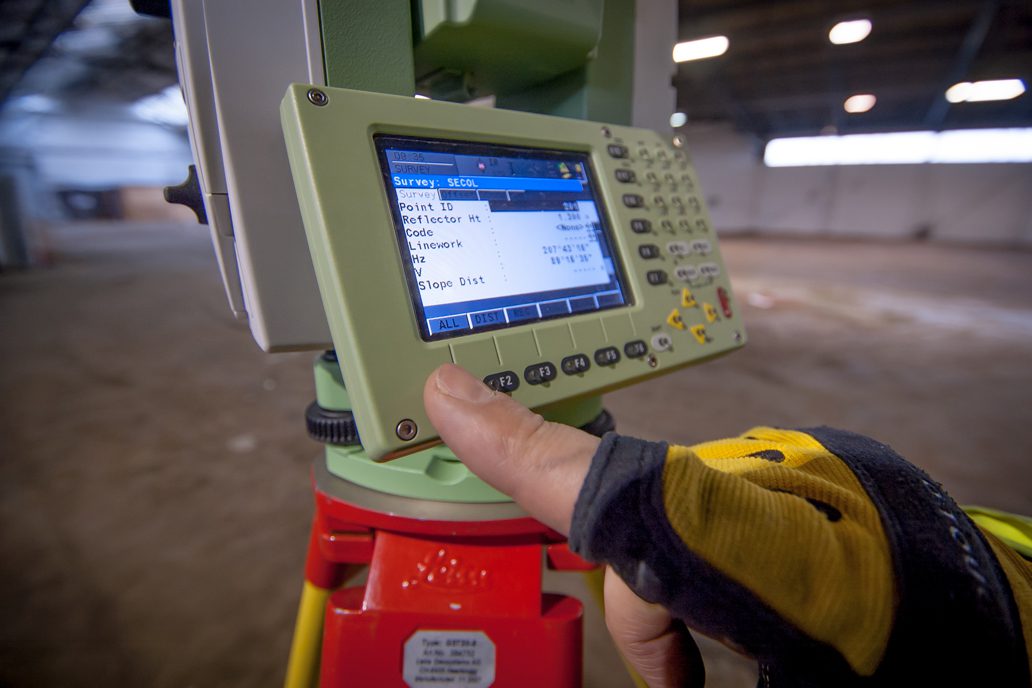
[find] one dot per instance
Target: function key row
(508, 381)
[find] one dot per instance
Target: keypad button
(701, 246)
(625, 176)
(616, 150)
(669, 179)
(662, 342)
(635, 349)
(651, 178)
(633, 200)
(686, 273)
(506, 381)
(648, 251)
(578, 363)
(679, 248)
(656, 277)
(684, 225)
(610, 355)
(709, 270)
(641, 226)
(539, 372)
(725, 301)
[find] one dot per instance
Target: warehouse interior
(154, 465)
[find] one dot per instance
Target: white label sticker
(449, 658)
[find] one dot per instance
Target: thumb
(539, 464)
(659, 648)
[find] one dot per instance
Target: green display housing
(686, 317)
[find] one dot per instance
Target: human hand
(542, 466)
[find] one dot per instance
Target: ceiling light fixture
(902, 148)
(678, 119)
(701, 48)
(977, 91)
(850, 31)
(861, 102)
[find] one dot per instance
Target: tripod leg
(303, 665)
(322, 577)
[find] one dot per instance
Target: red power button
(725, 301)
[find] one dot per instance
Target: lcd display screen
(497, 236)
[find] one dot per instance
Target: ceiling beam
(973, 40)
(43, 26)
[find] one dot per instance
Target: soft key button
(635, 349)
(506, 381)
(648, 251)
(674, 319)
(641, 226)
(679, 248)
(616, 150)
(578, 363)
(610, 355)
(656, 277)
(539, 372)
(662, 342)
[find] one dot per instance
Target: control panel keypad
(664, 201)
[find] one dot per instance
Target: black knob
(189, 194)
(152, 8)
(602, 424)
(331, 427)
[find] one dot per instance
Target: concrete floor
(154, 497)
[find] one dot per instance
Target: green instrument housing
(681, 309)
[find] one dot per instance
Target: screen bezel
(382, 141)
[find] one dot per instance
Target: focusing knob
(331, 427)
